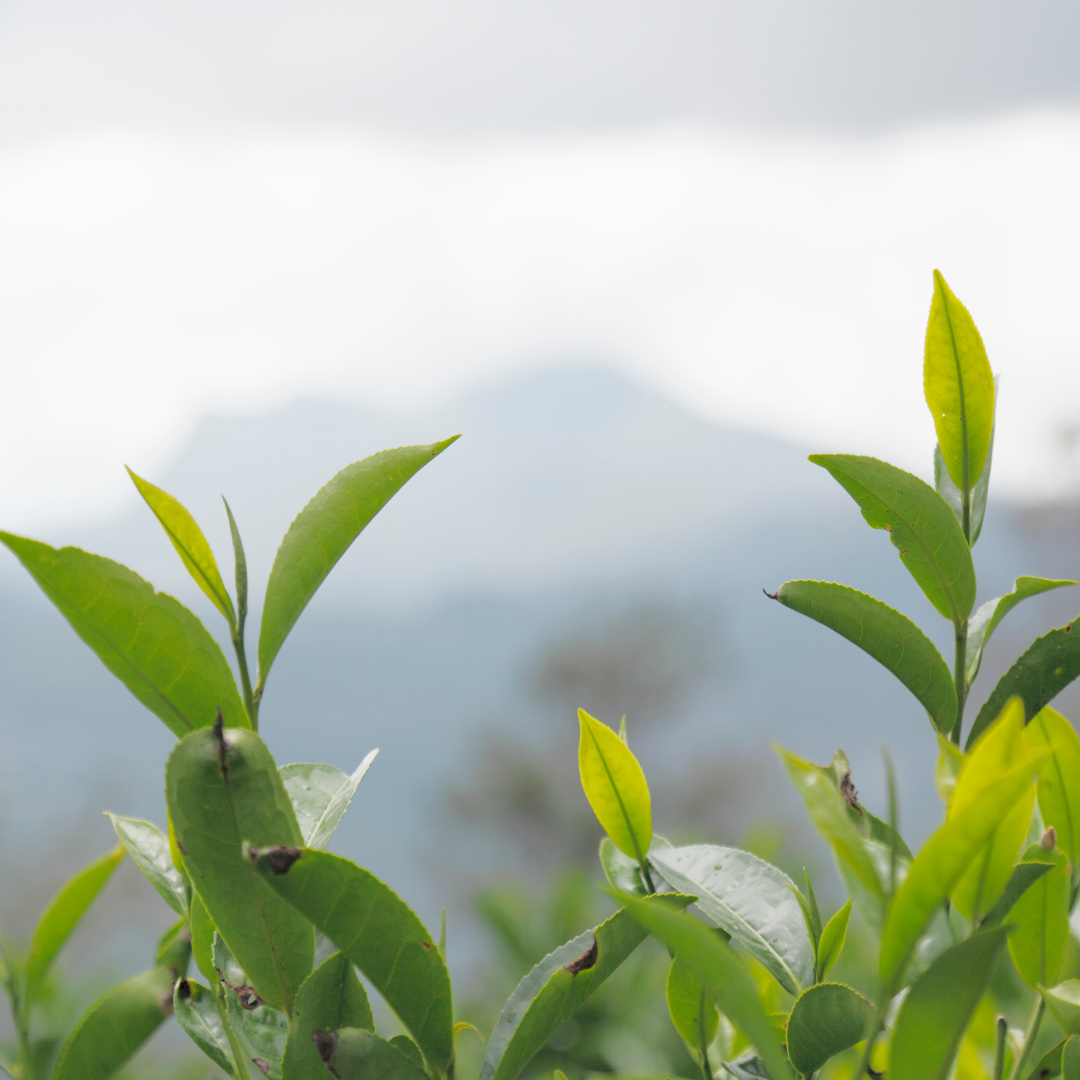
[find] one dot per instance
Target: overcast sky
(218, 206)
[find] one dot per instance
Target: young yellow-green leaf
(323, 532)
(185, 535)
(1063, 1001)
(940, 1005)
(1041, 922)
(1059, 779)
(197, 1012)
(945, 487)
(615, 786)
(950, 762)
(320, 796)
(149, 850)
(64, 913)
(692, 1009)
(829, 815)
(920, 524)
(151, 643)
(826, 1019)
(959, 386)
(376, 930)
(892, 639)
(1045, 669)
(115, 1027)
(356, 1054)
(222, 788)
(716, 966)
(985, 621)
(833, 938)
(333, 997)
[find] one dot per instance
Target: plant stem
(237, 1051)
(999, 1050)
(706, 1068)
(250, 703)
(644, 865)
(960, 677)
(1029, 1038)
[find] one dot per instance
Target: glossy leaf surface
(751, 900)
(323, 532)
(826, 1019)
(892, 639)
(920, 524)
(939, 1007)
(833, 938)
(115, 1027)
(64, 912)
(615, 786)
(1059, 778)
(378, 932)
(151, 643)
(1045, 669)
(197, 1013)
(320, 796)
(559, 985)
(692, 1009)
(222, 789)
(360, 1055)
(148, 847)
(986, 620)
(190, 544)
(333, 997)
(1041, 922)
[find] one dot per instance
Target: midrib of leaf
(223, 603)
(618, 797)
(966, 468)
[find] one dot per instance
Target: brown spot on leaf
(183, 990)
(772, 595)
(426, 944)
(263, 1065)
(1048, 840)
(222, 746)
(326, 1043)
(585, 961)
(279, 859)
(245, 994)
(849, 794)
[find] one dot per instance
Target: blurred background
(644, 257)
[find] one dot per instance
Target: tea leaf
(1070, 1060)
(185, 535)
(833, 938)
(750, 900)
(920, 524)
(323, 532)
(320, 796)
(748, 1067)
(1046, 668)
(239, 569)
(892, 639)
(959, 386)
(1059, 778)
(691, 1006)
(223, 788)
(615, 786)
(1049, 1065)
(1041, 921)
(826, 1019)
(360, 1055)
(331, 998)
(149, 850)
(196, 1010)
(623, 873)
(1022, 878)
(1063, 1001)
(377, 932)
(151, 643)
(945, 487)
(64, 913)
(939, 1007)
(202, 938)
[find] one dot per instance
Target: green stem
(960, 677)
(1029, 1038)
(237, 1051)
(999, 1049)
(250, 702)
(647, 877)
(706, 1068)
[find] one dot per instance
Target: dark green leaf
(1070, 1060)
(1049, 1065)
(749, 899)
(151, 643)
(360, 1055)
(1049, 665)
(833, 938)
(409, 1049)
(920, 524)
(826, 1019)
(148, 847)
(223, 788)
(377, 932)
(558, 986)
(889, 637)
(202, 938)
(320, 796)
(1041, 921)
(323, 532)
(64, 912)
(114, 1028)
(333, 997)
(692, 1009)
(260, 1029)
(197, 1012)
(1023, 877)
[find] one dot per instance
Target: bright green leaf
(1041, 922)
(64, 913)
(833, 938)
(950, 762)
(323, 532)
(1059, 778)
(320, 796)
(151, 643)
(940, 1005)
(240, 569)
(959, 386)
(377, 932)
(333, 997)
(716, 965)
(356, 1054)
(985, 621)
(826, 1019)
(1023, 877)
(223, 788)
(751, 900)
(148, 847)
(691, 1005)
(892, 639)
(1063, 1001)
(1045, 669)
(1070, 1060)
(186, 536)
(615, 786)
(197, 1012)
(115, 1027)
(410, 1049)
(920, 524)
